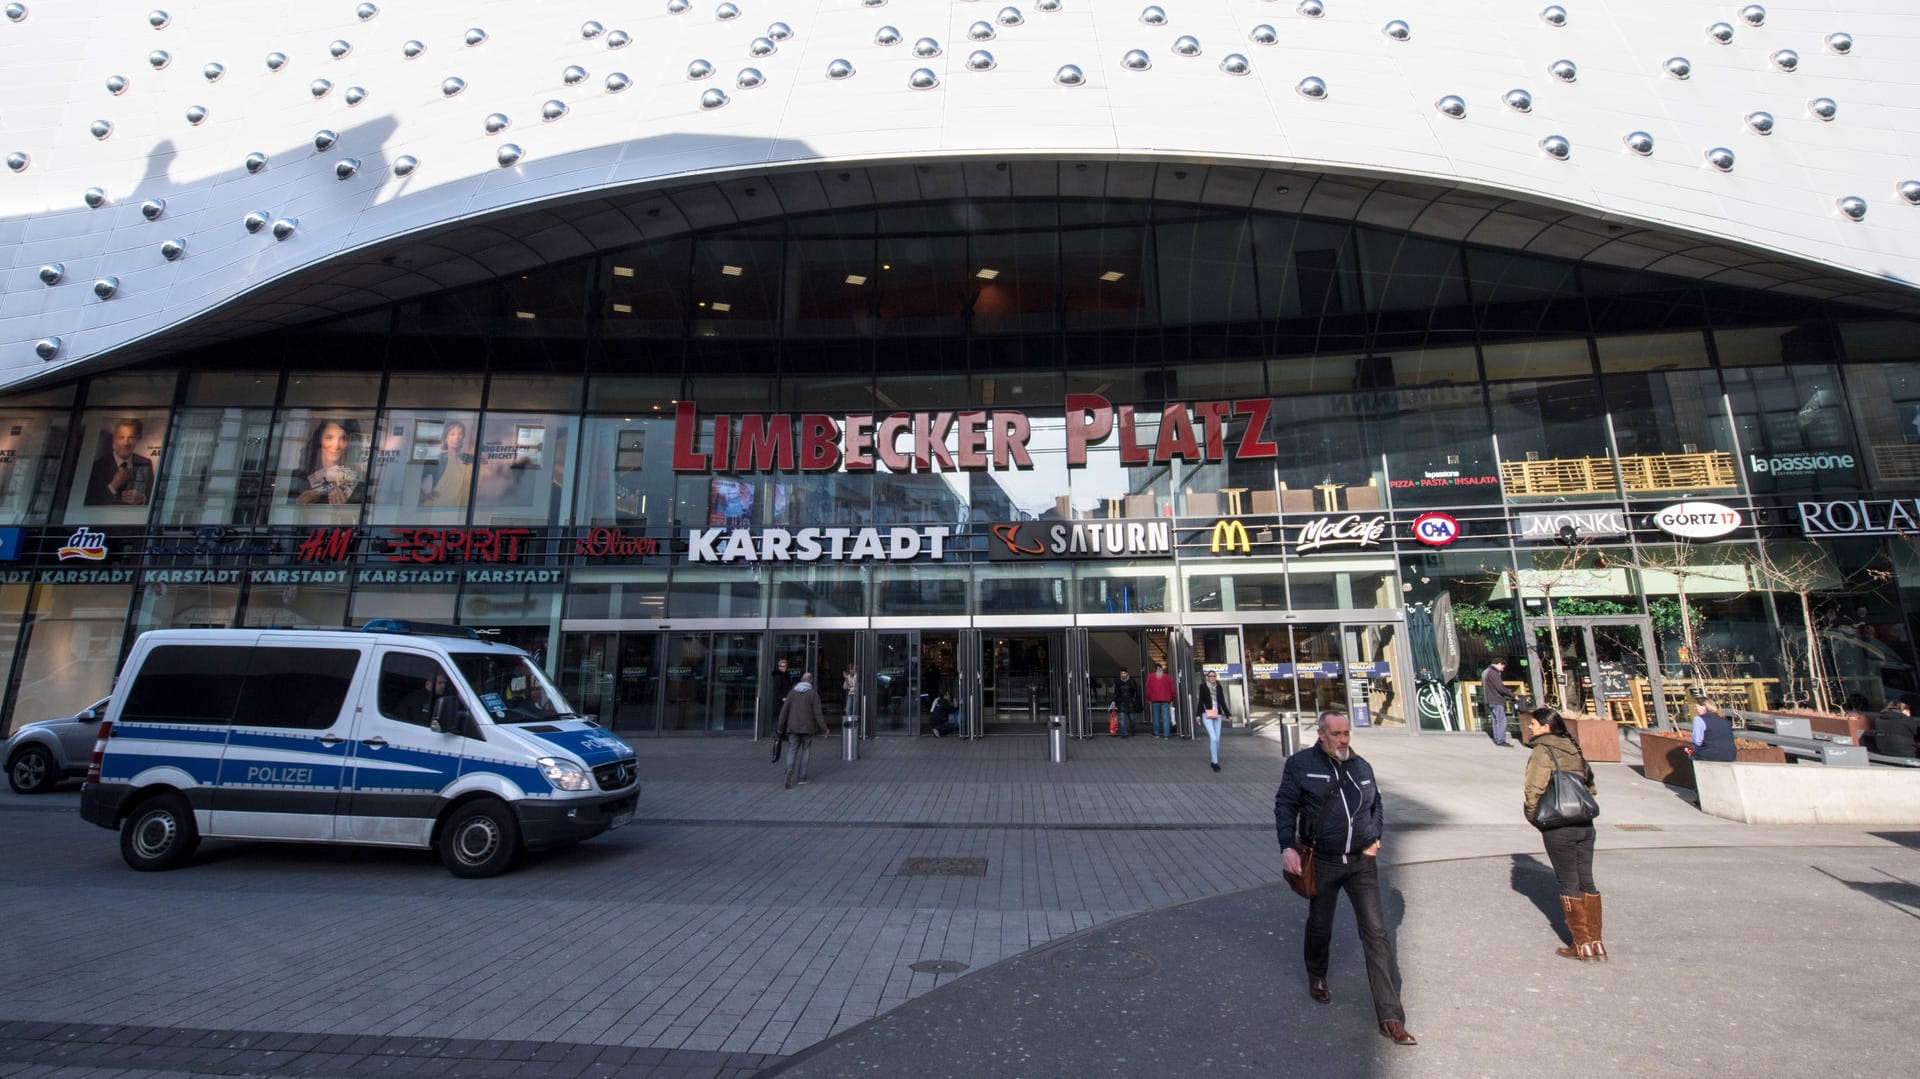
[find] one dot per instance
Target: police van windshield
(511, 688)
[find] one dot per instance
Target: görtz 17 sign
(1697, 520)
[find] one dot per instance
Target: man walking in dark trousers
(1328, 800)
(1493, 689)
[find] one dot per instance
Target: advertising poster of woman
(323, 461)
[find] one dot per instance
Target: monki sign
(974, 440)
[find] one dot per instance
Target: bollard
(1033, 704)
(1057, 739)
(850, 742)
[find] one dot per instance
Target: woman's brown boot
(1596, 948)
(1575, 909)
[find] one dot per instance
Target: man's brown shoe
(1317, 989)
(1393, 1028)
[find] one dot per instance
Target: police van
(400, 734)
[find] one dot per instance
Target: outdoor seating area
(1652, 473)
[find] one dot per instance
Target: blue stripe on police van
(122, 766)
(169, 732)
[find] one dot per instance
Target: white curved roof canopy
(1228, 125)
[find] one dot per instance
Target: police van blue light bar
(418, 629)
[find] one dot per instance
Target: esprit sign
(1352, 530)
(975, 440)
(1861, 517)
(1436, 529)
(895, 544)
(1697, 520)
(1027, 540)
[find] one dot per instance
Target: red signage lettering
(327, 545)
(431, 545)
(614, 543)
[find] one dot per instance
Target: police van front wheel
(159, 834)
(480, 839)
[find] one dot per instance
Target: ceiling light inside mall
(723, 307)
(623, 271)
(528, 315)
(623, 309)
(986, 274)
(856, 279)
(1111, 276)
(732, 271)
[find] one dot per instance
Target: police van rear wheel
(481, 839)
(159, 834)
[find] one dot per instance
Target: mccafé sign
(981, 440)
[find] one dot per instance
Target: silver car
(40, 755)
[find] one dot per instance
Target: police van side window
(297, 688)
(409, 684)
(197, 684)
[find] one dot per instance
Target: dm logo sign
(1436, 529)
(1697, 520)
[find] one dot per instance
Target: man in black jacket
(1328, 800)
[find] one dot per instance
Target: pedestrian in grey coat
(1493, 690)
(801, 717)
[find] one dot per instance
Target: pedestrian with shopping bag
(1560, 802)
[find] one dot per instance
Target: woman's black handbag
(1565, 803)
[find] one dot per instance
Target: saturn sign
(1697, 520)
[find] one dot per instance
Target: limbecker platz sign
(977, 440)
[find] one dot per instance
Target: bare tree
(1566, 569)
(1807, 573)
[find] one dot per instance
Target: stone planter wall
(1665, 757)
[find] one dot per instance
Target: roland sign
(1697, 520)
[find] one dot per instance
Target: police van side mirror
(449, 716)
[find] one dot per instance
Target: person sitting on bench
(1894, 730)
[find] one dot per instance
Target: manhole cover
(937, 966)
(1638, 827)
(1100, 961)
(942, 867)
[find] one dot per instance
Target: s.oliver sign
(1861, 517)
(1697, 520)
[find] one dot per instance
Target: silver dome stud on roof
(1048, 6)
(840, 69)
(18, 160)
(1553, 15)
(762, 46)
(496, 122)
(405, 164)
(320, 87)
(276, 61)
(1760, 123)
(1556, 147)
(101, 128)
(574, 75)
(679, 7)
(255, 162)
(926, 48)
(591, 29)
(153, 208)
(713, 99)
(1452, 105)
(284, 227)
(214, 71)
(980, 60)
(1313, 86)
(105, 287)
(324, 139)
(980, 31)
(51, 273)
(1841, 43)
(339, 48)
(508, 155)
(618, 39)
(726, 12)
(617, 81)
(886, 35)
(159, 59)
(344, 168)
(1186, 45)
(1910, 190)
(412, 49)
(1398, 30)
(553, 109)
(254, 221)
(923, 79)
(1235, 64)
(1720, 158)
(873, 3)
(1069, 75)
(1853, 206)
(1009, 16)
(699, 69)
(1312, 9)
(171, 250)
(1564, 70)
(1786, 59)
(474, 36)
(47, 347)
(779, 31)
(1639, 142)
(16, 12)
(1264, 35)
(452, 85)
(1153, 16)
(749, 78)
(1721, 32)
(366, 11)
(1823, 108)
(355, 95)
(116, 84)
(1136, 60)
(1753, 15)
(158, 19)
(1679, 67)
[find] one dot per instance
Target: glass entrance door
(1221, 651)
(1299, 670)
(1023, 679)
(1374, 675)
(1605, 668)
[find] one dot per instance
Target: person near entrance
(1493, 689)
(1213, 709)
(1126, 701)
(1712, 733)
(1328, 800)
(779, 684)
(1160, 700)
(944, 717)
(1569, 846)
(801, 718)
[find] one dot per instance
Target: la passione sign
(982, 440)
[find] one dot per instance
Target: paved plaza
(946, 908)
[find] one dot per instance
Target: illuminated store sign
(978, 440)
(1445, 478)
(431, 545)
(1585, 523)
(894, 544)
(1861, 517)
(1353, 530)
(1229, 536)
(1697, 520)
(85, 543)
(1798, 464)
(603, 542)
(1436, 529)
(1029, 540)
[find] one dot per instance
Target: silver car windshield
(511, 688)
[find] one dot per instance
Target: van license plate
(622, 818)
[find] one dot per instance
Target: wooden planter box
(1598, 739)
(1665, 757)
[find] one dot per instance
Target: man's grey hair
(1321, 724)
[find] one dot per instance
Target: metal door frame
(1179, 662)
(968, 674)
(1402, 658)
(1534, 625)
